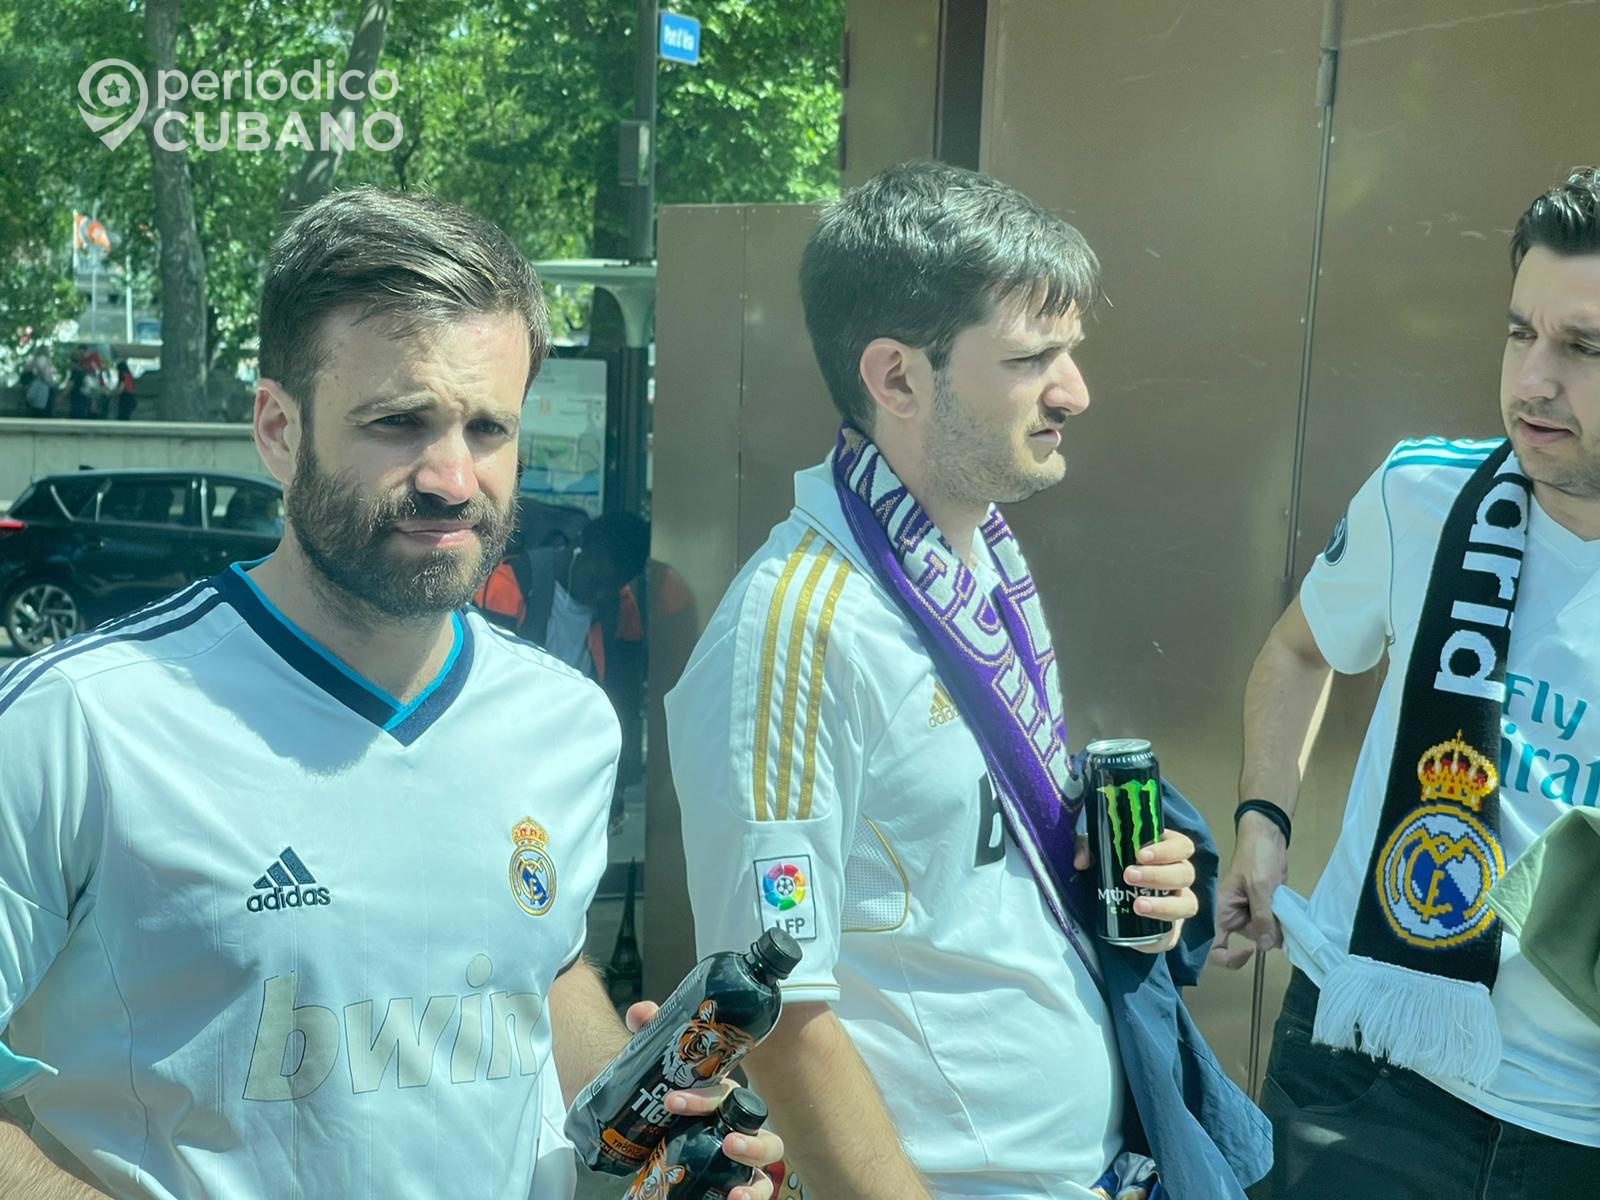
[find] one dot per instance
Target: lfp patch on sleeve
(784, 898)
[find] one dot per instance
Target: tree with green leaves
(508, 106)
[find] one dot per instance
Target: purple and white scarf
(993, 652)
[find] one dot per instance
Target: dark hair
(623, 538)
(415, 260)
(922, 251)
(1565, 219)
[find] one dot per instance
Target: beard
(971, 460)
(1579, 478)
(345, 536)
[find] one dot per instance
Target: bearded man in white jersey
(1419, 1052)
(869, 751)
(294, 865)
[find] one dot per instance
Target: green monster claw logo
(1139, 795)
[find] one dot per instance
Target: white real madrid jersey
(829, 787)
(265, 931)
(1363, 598)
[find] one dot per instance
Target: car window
(34, 502)
(157, 501)
(77, 497)
(246, 507)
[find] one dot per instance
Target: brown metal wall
(740, 406)
(1183, 140)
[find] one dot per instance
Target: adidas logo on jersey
(287, 884)
(943, 711)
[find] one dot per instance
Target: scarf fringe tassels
(1427, 1023)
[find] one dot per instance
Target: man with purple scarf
(869, 750)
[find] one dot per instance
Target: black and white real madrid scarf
(1425, 950)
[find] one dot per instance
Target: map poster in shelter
(563, 436)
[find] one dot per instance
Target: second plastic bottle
(690, 1165)
(722, 1009)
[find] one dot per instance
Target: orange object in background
(501, 597)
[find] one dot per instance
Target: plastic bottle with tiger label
(691, 1165)
(723, 1008)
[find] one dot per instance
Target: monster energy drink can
(1124, 790)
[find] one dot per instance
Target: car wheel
(41, 613)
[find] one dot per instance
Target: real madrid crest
(533, 872)
(1436, 869)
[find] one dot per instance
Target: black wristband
(1267, 809)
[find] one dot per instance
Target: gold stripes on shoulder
(794, 649)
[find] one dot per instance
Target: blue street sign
(680, 38)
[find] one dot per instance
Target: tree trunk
(314, 179)
(183, 263)
(611, 56)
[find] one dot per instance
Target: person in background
(575, 601)
(579, 603)
(83, 386)
(39, 386)
(580, 595)
(126, 398)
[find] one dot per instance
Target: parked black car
(80, 548)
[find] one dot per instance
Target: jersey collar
(405, 722)
(816, 503)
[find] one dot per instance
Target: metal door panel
(700, 313)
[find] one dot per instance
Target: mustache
(423, 506)
(1550, 418)
(1051, 421)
